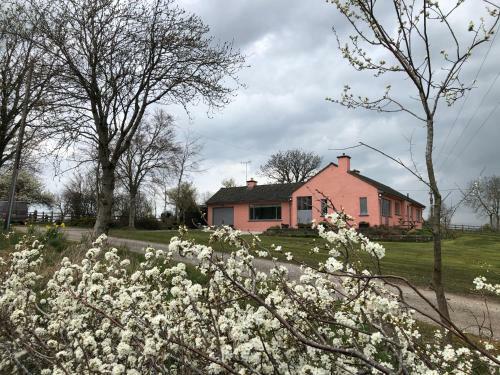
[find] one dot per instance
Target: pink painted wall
(344, 190)
(242, 216)
(408, 213)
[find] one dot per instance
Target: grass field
(464, 258)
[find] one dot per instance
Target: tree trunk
(437, 274)
(178, 196)
(105, 203)
(132, 208)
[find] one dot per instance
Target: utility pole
(19, 148)
(246, 168)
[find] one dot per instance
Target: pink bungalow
(258, 207)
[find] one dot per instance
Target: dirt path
(464, 310)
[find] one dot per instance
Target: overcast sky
(294, 64)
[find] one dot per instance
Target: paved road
(463, 309)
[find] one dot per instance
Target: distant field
(464, 258)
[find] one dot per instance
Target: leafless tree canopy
(228, 182)
(79, 196)
(186, 162)
(291, 166)
(484, 198)
(117, 57)
(152, 148)
(17, 51)
(404, 29)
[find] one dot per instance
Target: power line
(345, 148)
(470, 121)
(416, 190)
(467, 95)
(482, 125)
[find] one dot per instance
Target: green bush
(149, 223)
(169, 222)
(304, 226)
(84, 221)
(290, 232)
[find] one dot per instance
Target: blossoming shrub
(101, 316)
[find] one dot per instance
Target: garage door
(223, 216)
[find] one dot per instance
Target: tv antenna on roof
(246, 168)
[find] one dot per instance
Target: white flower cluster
(101, 316)
(347, 237)
(480, 283)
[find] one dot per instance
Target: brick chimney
(251, 184)
(344, 162)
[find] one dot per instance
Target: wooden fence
(53, 217)
(468, 228)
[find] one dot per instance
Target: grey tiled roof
(282, 192)
(386, 189)
(260, 193)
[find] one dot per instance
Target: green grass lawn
(464, 258)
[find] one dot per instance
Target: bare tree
(18, 56)
(291, 166)
(204, 197)
(60, 205)
(484, 198)
(395, 37)
(161, 183)
(117, 58)
(228, 182)
(186, 161)
(447, 213)
(152, 148)
(80, 194)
